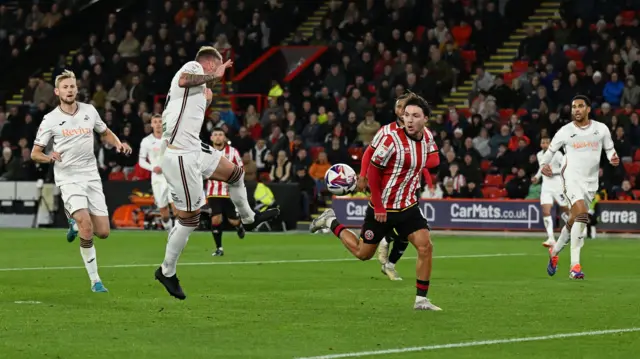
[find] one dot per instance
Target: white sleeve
(99, 126)
(44, 133)
(557, 143)
(556, 168)
(538, 174)
(607, 144)
(143, 157)
(193, 67)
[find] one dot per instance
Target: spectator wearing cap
(631, 92)
(613, 90)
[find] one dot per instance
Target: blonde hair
(208, 51)
(66, 74)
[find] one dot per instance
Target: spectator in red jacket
(515, 139)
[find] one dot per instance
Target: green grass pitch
(299, 296)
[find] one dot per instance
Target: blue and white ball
(340, 179)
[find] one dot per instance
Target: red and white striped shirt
(402, 159)
(219, 188)
(383, 131)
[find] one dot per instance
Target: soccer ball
(340, 179)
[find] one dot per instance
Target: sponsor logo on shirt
(75, 132)
(586, 144)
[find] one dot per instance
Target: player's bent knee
(102, 233)
(234, 222)
(216, 220)
(582, 218)
(237, 176)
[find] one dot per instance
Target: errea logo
(621, 217)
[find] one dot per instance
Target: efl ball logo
(340, 179)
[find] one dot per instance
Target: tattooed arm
(192, 80)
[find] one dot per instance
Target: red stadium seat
(521, 112)
(485, 165)
(573, 54)
(420, 32)
(579, 65)
(356, 153)
(505, 113)
(116, 176)
(636, 192)
(508, 178)
(493, 192)
(465, 112)
(264, 177)
(636, 156)
(520, 66)
(314, 151)
(632, 168)
(493, 181)
(503, 193)
(627, 16)
(469, 55)
(509, 76)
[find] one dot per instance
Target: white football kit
(583, 148)
(552, 187)
(77, 172)
(185, 168)
(151, 157)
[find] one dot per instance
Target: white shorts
(185, 172)
(551, 197)
(84, 195)
(161, 193)
(576, 191)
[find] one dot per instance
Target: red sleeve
(374, 174)
(427, 176)
(433, 160)
(366, 160)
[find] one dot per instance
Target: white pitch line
(256, 262)
(474, 344)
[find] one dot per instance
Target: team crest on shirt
(368, 234)
(86, 117)
(382, 151)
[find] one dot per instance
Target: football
(340, 179)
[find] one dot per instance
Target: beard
(68, 102)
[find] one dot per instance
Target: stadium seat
(509, 76)
(505, 113)
(520, 66)
(314, 151)
(465, 112)
(356, 153)
(420, 32)
(493, 181)
(573, 54)
(636, 192)
(485, 165)
(264, 177)
(503, 193)
(636, 156)
(627, 17)
(117, 176)
(521, 112)
(490, 192)
(508, 178)
(632, 168)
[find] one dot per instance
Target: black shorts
(223, 206)
(403, 223)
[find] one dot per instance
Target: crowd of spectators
(377, 51)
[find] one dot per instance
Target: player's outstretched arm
(192, 80)
(609, 149)
(109, 137)
(143, 157)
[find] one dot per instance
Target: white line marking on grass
(257, 262)
(474, 344)
(27, 302)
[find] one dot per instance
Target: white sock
(390, 265)
(565, 217)
(577, 241)
(238, 194)
(90, 262)
(561, 242)
(384, 242)
(167, 225)
(178, 238)
(548, 225)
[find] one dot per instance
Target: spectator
(9, 166)
(625, 193)
(502, 138)
(129, 46)
(481, 143)
(613, 90)
(449, 191)
(259, 155)
(52, 18)
(118, 93)
(456, 178)
(622, 146)
(470, 169)
(367, 129)
(250, 167)
(473, 191)
(337, 152)
(631, 92)
(281, 171)
(518, 188)
(28, 170)
(44, 93)
(242, 141)
(302, 158)
(483, 81)
(307, 187)
(433, 192)
(503, 161)
(318, 170)
(335, 81)
(185, 13)
(634, 130)
(514, 141)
